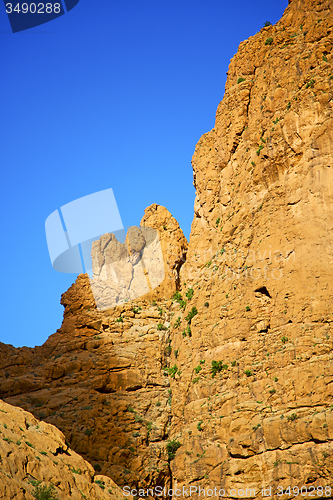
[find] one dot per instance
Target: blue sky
(112, 94)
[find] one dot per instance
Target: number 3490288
(33, 8)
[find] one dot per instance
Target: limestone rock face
(35, 452)
(230, 383)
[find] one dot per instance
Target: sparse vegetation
(160, 326)
(44, 492)
(269, 41)
(177, 322)
(199, 426)
(267, 23)
(247, 308)
(189, 293)
(120, 319)
(172, 447)
(240, 79)
(216, 367)
(292, 417)
(284, 339)
(248, 373)
(259, 149)
(178, 298)
(310, 84)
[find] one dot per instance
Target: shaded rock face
(35, 452)
(248, 342)
(100, 377)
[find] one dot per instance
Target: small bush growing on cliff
(44, 492)
(97, 467)
(284, 339)
(198, 368)
(172, 447)
(177, 322)
(189, 293)
(191, 314)
(240, 79)
(291, 417)
(259, 149)
(120, 319)
(172, 371)
(269, 41)
(248, 373)
(267, 23)
(199, 426)
(216, 367)
(178, 298)
(160, 326)
(310, 84)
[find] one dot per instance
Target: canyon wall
(229, 384)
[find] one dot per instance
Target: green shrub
(172, 447)
(233, 363)
(272, 391)
(172, 371)
(160, 326)
(259, 149)
(248, 373)
(269, 41)
(88, 432)
(158, 403)
(191, 314)
(216, 367)
(240, 79)
(176, 353)
(178, 298)
(189, 293)
(198, 368)
(247, 308)
(267, 23)
(292, 417)
(120, 319)
(288, 105)
(136, 309)
(206, 304)
(177, 322)
(199, 426)
(310, 84)
(253, 164)
(284, 339)
(208, 264)
(100, 483)
(97, 467)
(195, 380)
(136, 434)
(44, 492)
(217, 222)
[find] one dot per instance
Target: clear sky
(113, 94)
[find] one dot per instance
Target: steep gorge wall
(259, 262)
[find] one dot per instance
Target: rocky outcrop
(230, 383)
(34, 457)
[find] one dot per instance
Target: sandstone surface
(34, 452)
(237, 369)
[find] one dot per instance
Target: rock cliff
(35, 458)
(230, 383)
